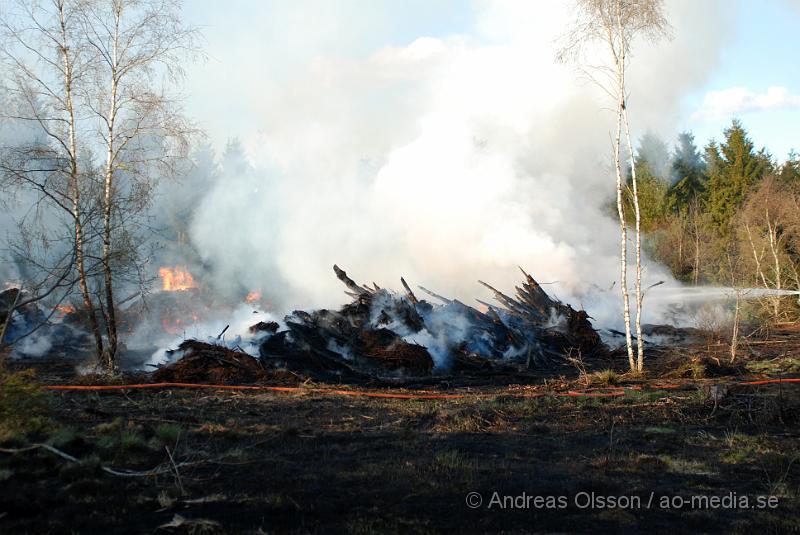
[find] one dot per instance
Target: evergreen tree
(653, 149)
(789, 173)
(733, 168)
(234, 159)
(688, 175)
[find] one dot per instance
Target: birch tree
(137, 49)
(94, 78)
(615, 24)
(768, 233)
(42, 53)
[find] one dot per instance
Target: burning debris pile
(32, 328)
(168, 311)
(382, 333)
(201, 362)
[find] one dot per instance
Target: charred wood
(209, 363)
(409, 293)
(374, 335)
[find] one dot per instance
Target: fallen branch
(175, 468)
(160, 469)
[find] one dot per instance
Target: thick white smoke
(233, 332)
(446, 160)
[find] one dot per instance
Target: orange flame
(176, 325)
(65, 309)
(253, 297)
(177, 278)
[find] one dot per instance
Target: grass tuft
(24, 406)
(132, 439)
(606, 378)
(168, 433)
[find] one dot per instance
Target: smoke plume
(445, 160)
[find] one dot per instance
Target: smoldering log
(409, 293)
(264, 327)
(24, 317)
(350, 283)
(435, 295)
(346, 344)
(376, 335)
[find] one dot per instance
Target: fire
(177, 325)
(177, 278)
(180, 316)
(253, 297)
(65, 309)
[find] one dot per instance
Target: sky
(761, 54)
(254, 47)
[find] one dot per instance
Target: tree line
(726, 215)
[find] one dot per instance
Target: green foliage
(730, 216)
(688, 173)
(789, 172)
(777, 366)
(733, 168)
(652, 199)
(167, 433)
(119, 435)
(23, 404)
(652, 184)
(132, 439)
(606, 378)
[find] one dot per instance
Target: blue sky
(762, 53)
(252, 45)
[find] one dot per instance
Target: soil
(313, 461)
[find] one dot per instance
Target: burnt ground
(209, 461)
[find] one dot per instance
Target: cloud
(740, 100)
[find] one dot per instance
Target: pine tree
(688, 175)
(733, 168)
(655, 151)
(789, 172)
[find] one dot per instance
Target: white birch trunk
(619, 59)
(774, 245)
(80, 260)
(639, 296)
(108, 188)
(756, 257)
(735, 334)
(623, 229)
